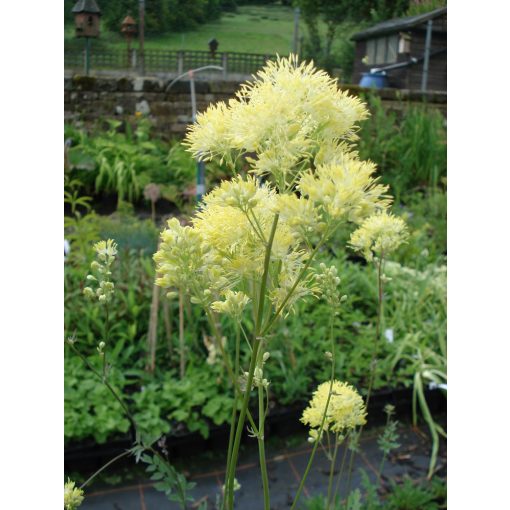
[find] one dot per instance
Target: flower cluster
(105, 254)
(289, 113)
(379, 235)
(234, 303)
(73, 496)
(346, 409)
(299, 129)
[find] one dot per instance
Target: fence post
(180, 62)
(133, 58)
(224, 64)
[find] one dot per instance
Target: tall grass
(409, 147)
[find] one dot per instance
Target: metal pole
(142, 36)
(200, 165)
(426, 57)
(295, 43)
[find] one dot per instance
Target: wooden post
(142, 36)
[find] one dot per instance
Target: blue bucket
(374, 80)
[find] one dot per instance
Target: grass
(266, 29)
(252, 29)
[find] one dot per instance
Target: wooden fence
(160, 61)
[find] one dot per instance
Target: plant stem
(233, 377)
(331, 473)
(253, 363)
(341, 472)
(374, 357)
(321, 428)
(240, 425)
(262, 451)
(182, 360)
(108, 385)
(377, 330)
(234, 412)
(102, 468)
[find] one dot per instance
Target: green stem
(109, 463)
(262, 451)
(108, 385)
(253, 363)
(234, 414)
(377, 331)
(374, 356)
(331, 473)
(233, 377)
(240, 425)
(326, 235)
(321, 428)
(341, 472)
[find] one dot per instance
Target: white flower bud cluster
(258, 374)
(105, 253)
(328, 282)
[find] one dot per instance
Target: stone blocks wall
(90, 99)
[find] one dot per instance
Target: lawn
(252, 29)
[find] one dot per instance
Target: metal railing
(160, 61)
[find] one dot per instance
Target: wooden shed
(399, 47)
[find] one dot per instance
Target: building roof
(88, 6)
(397, 24)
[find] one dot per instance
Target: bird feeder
(86, 18)
(128, 29)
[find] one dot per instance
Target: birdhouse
(86, 18)
(128, 27)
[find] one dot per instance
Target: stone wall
(89, 99)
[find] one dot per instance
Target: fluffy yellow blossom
(73, 496)
(234, 304)
(209, 136)
(300, 214)
(244, 194)
(284, 116)
(346, 409)
(379, 234)
(345, 189)
(181, 258)
(106, 249)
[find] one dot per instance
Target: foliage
(337, 15)
(88, 409)
(160, 15)
(411, 150)
(408, 495)
(123, 160)
(424, 6)
(168, 480)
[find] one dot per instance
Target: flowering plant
(250, 248)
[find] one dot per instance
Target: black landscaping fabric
(285, 467)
